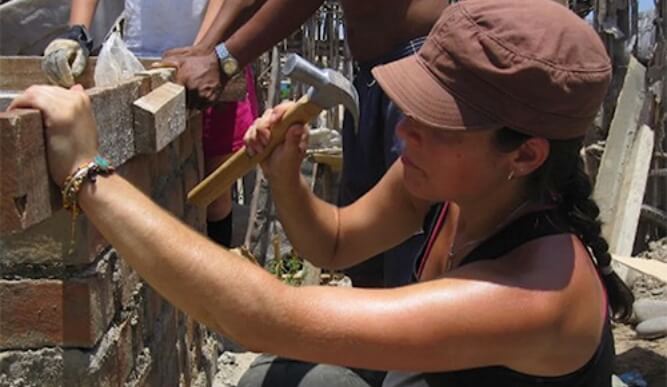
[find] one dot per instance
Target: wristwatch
(228, 64)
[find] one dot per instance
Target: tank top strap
(525, 228)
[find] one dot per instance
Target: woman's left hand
(71, 135)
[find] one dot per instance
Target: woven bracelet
(73, 183)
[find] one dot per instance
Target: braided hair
(563, 179)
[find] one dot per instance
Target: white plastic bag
(115, 63)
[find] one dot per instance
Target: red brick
(25, 190)
(37, 313)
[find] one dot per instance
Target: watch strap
(224, 55)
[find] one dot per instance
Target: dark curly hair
(562, 178)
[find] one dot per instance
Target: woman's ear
(529, 156)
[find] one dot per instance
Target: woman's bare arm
(82, 12)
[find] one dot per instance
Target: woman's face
(457, 166)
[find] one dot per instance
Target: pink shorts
(225, 124)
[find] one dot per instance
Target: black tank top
(595, 373)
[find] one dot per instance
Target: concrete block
(159, 118)
(40, 368)
(25, 189)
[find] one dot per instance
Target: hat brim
(419, 95)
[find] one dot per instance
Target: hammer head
(328, 88)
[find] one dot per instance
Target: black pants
(269, 371)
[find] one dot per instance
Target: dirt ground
(648, 357)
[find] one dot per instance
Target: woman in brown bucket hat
(514, 288)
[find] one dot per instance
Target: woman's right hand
(285, 160)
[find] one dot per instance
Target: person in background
(377, 32)
(150, 28)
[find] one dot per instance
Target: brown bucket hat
(530, 65)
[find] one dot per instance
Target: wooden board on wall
(21, 72)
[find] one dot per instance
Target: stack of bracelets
(72, 185)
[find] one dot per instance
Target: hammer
(328, 89)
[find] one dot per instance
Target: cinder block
(69, 313)
(40, 368)
(25, 188)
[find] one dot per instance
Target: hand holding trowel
(328, 89)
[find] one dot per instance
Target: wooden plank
(21, 72)
(631, 194)
(25, 189)
(652, 267)
(159, 118)
(618, 147)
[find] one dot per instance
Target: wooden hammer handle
(241, 162)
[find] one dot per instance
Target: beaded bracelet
(73, 183)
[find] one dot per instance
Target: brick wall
(83, 317)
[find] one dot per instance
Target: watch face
(230, 67)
